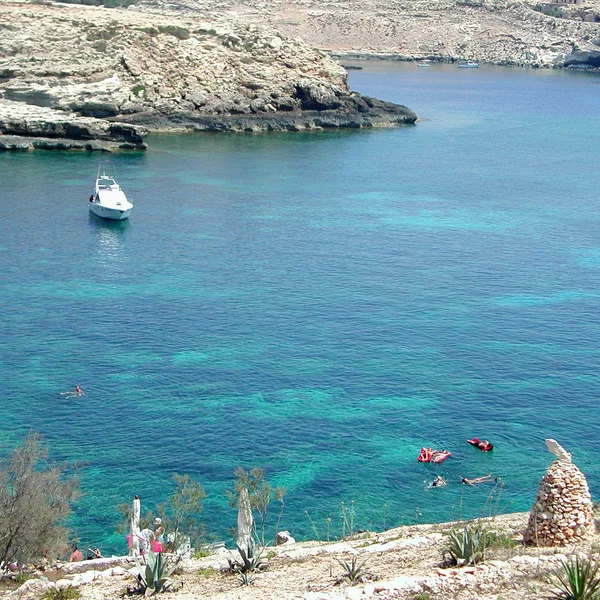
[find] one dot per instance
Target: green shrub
(148, 30)
(66, 593)
(495, 539)
(21, 577)
(35, 501)
(550, 10)
(206, 572)
(577, 580)
(180, 33)
(138, 89)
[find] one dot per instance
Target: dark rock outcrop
(354, 111)
(589, 59)
(24, 127)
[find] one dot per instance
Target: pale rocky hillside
(498, 31)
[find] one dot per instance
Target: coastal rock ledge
(104, 77)
(25, 127)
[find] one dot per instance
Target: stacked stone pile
(563, 512)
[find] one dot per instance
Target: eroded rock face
(24, 127)
(563, 512)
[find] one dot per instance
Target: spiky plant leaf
(467, 546)
(577, 579)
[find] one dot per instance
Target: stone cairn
(563, 511)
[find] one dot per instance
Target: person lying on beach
(477, 480)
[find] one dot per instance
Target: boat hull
(109, 213)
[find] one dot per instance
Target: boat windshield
(105, 183)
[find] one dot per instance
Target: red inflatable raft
(434, 456)
(484, 446)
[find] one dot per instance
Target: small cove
(320, 304)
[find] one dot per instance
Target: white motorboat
(108, 200)
(468, 64)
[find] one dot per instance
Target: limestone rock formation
(563, 512)
(173, 72)
(284, 537)
(23, 127)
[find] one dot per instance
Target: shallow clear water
(319, 304)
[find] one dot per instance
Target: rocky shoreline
(589, 61)
(399, 564)
(24, 127)
(140, 72)
(356, 111)
(204, 65)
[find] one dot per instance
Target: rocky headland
(113, 73)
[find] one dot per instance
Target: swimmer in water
(477, 480)
(78, 392)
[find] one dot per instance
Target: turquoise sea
(318, 304)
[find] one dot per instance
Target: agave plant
(354, 571)
(252, 559)
(577, 579)
(467, 546)
(154, 575)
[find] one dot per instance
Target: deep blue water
(319, 304)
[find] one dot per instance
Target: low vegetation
(105, 3)
(577, 579)
(65, 593)
(251, 562)
(354, 571)
(181, 33)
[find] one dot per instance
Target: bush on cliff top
(35, 501)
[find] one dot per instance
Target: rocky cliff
(164, 71)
